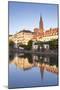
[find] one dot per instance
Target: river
(32, 70)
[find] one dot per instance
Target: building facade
(22, 37)
(44, 35)
(39, 34)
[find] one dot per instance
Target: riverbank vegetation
(53, 44)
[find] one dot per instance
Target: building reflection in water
(39, 61)
(29, 61)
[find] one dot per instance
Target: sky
(27, 16)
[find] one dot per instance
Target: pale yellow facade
(48, 38)
(22, 37)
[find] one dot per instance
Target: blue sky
(27, 16)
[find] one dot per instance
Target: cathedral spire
(41, 23)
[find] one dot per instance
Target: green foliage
(27, 47)
(30, 44)
(11, 44)
(53, 44)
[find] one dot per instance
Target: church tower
(41, 27)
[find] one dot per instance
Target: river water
(29, 70)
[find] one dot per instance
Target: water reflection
(27, 62)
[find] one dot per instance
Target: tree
(11, 44)
(29, 46)
(53, 44)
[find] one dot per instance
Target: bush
(11, 44)
(29, 46)
(53, 44)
